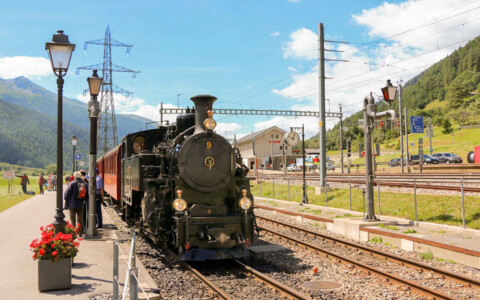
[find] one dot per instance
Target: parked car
(395, 162)
(330, 167)
(293, 168)
(428, 159)
(414, 160)
(448, 158)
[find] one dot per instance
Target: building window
(276, 136)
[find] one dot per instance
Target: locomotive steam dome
(205, 160)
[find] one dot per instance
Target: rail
(467, 281)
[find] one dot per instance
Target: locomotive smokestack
(203, 103)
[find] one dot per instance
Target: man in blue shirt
(99, 199)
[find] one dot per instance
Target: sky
(249, 54)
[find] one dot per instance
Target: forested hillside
(447, 92)
(23, 92)
(28, 124)
(29, 138)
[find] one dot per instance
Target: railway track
(440, 183)
(384, 261)
(241, 270)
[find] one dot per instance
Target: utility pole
(430, 134)
(406, 135)
(402, 160)
(341, 139)
(321, 99)
(271, 144)
(107, 126)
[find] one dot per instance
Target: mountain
(29, 124)
(29, 138)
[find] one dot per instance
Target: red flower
(54, 253)
(34, 255)
(41, 228)
(41, 251)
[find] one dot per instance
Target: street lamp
(94, 84)
(389, 93)
(59, 51)
(74, 143)
(178, 99)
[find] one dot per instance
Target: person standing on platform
(54, 182)
(85, 204)
(49, 181)
(41, 183)
(99, 199)
(23, 182)
(75, 195)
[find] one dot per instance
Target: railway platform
(444, 242)
(92, 271)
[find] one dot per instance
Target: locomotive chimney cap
(203, 96)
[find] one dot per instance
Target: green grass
(431, 208)
(410, 231)
(427, 255)
(377, 240)
(392, 228)
(16, 195)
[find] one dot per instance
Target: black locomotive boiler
(184, 185)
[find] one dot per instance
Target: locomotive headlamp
(179, 204)
(245, 203)
(210, 123)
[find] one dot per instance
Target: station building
(266, 147)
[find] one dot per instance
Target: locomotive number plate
(209, 162)
(209, 145)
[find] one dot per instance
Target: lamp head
(60, 52)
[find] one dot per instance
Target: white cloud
(302, 45)
(230, 128)
(293, 1)
(275, 34)
(28, 66)
(398, 57)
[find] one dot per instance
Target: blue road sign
(412, 144)
(78, 156)
(416, 124)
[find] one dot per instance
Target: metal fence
(271, 180)
(131, 282)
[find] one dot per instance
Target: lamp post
(178, 99)
(94, 84)
(59, 51)
(74, 143)
(369, 115)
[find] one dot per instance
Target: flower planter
(54, 275)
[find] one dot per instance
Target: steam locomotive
(184, 185)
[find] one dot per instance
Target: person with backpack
(75, 195)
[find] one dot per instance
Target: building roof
(253, 135)
(312, 151)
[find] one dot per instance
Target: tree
(447, 127)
